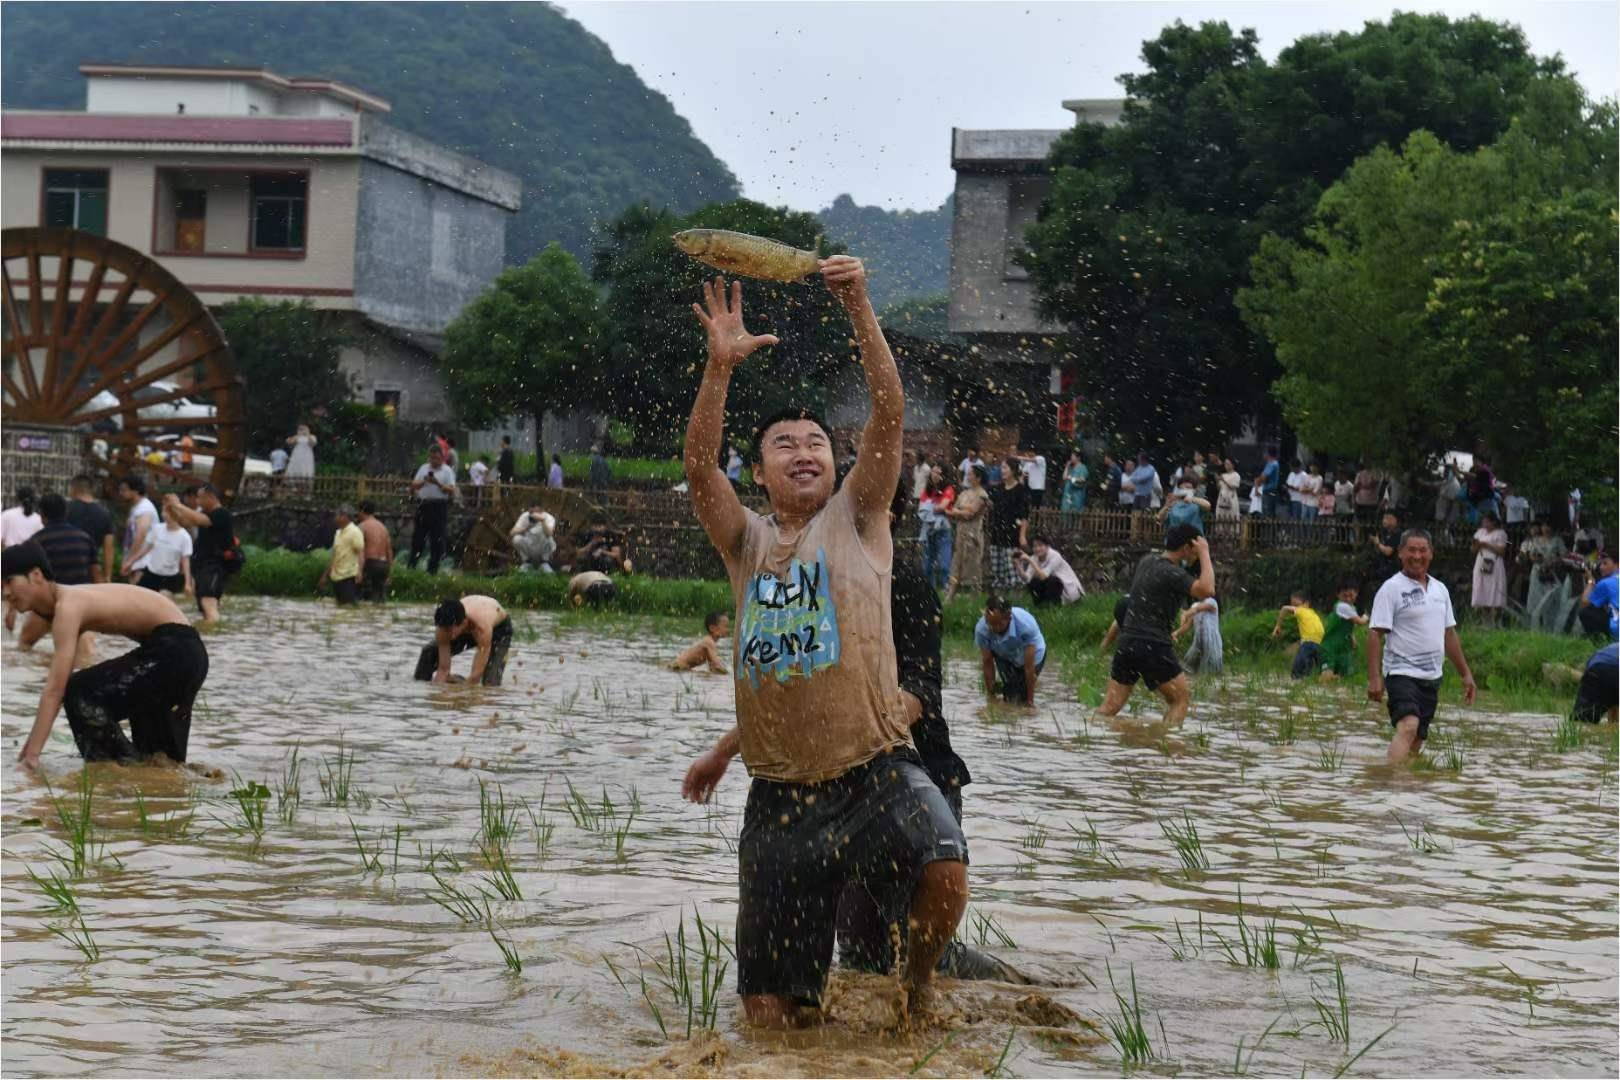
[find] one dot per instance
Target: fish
(753, 256)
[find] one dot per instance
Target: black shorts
(346, 592)
(427, 662)
(1153, 662)
(877, 825)
(152, 687)
(374, 579)
(1011, 677)
(1599, 692)
(1409, 696)
(865, 942)
(208, 578)
(175, 583)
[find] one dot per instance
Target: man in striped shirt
(72, 555)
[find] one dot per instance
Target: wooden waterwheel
(102, 339)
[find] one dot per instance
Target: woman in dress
(933, 511)
(1544, 551)
(969, 513)
(1075, 475)
(301, 465)
(1227, 507)
(1490, 568)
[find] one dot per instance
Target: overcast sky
(806, 101)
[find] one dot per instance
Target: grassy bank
(1508, 664)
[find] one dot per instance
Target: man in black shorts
(216, 535)
(1599, 694)
(152, 687)
(1159, 588)
(473, 622)
(1414, 631)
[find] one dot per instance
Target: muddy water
(1484, 944)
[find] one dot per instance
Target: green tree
(527, 345)
(287, 353)
(1442, 299)
(652, 366)
(1148, 230)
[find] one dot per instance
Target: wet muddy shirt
(818, 691)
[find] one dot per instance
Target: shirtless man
(152, 687)
(473, 622)
(839, 794)
(706, 649)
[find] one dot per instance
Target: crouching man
(473, 622)
(152, 687)
(839, 794)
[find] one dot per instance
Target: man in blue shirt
(1269, 486)
(1011, 644)
(1601, 600)
(1599, 694)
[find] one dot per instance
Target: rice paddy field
(358, 874)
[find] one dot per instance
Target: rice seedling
(1421, 841)
(1529, 989)
(78, 827)
(986, 930)
(337, 776)
(1333, 1017)
(542, 826)
(580, 810)
(458, 902)
(1256, 945)
(1376, 1039)
(1035, 836)
(622, 833)
(497, 823)
(1240, 1067)
(1287, 728)
(1183, 948)
(508, 947)
(57, 889)
(288, 789)
(500, 876)
(1273, 796)
(1126, 1031)
(1329, 756)
(370, 861)
(999, 1069)
(142, 817)
(1089, 845)
(77, 934)
(251, 799)
(1567, 735)
(926, 1058)
(1184, 837)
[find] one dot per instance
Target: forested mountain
(908, 252)
(520, 86)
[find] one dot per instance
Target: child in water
(1308, 660)
(1338, 639)
(1206, 657)
(706, 649)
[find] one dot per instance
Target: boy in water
(1339, 641)
(152, 687)
(473, 622)
(706, 649)
(1158, 589)
(1308, 660)
(839, 793)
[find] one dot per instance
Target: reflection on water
(1474, 908)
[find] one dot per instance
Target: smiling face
(796, 466)
(1416, 555)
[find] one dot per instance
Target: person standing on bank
(969, 512)
(86, 512)
(343, 569)
(1414, 631)
(301, 465)
(506, 463)
(839, 794)
(152, 686)
(1012, 650)
(1489, 594)
(434, 487)
(1075, 478)
(216, 535)
(1159, 587)
(379, 555)
(1033, 468)
(1009, 527)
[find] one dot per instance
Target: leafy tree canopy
(649, 375)
(518, 85)
(1442, 299)
(287, 353)
(1148, 230)
(527, 345)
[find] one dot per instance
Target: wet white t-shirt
(1035, 473)
(1416, 617)
(16, 526)
(169, 546)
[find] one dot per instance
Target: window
(279, 201)
(76, 199)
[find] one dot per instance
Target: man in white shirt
(1414, 631)
(534, 538)
(1050, 578)
(968, 464)
(920, 470)
(1296, 490)
(22, 521)
(140, 527)
(434, 486)
(1033, 467)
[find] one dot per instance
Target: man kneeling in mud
(473, 622)
(152, 687)
(839, 793)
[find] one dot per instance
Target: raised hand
(730, 343)
(846, 278)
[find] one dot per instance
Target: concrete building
(246, 183)
(1001, 179)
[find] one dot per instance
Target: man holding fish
(839, 793)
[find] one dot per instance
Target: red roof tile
(112, 127)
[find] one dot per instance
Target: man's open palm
(721, 316)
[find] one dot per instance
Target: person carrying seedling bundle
(1308, 660)
(1338, 639)
(839, 793)
(473, 622)
(1158, 589)
(705, 651)
(153, 686)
